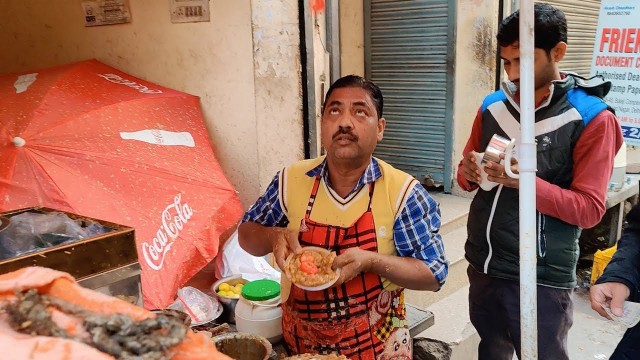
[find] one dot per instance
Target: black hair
(357, 81)
(550, 27)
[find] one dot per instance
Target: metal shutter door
(408, 52)
(582, 20)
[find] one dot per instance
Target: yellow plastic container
(600, 260)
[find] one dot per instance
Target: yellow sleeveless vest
(389, 196)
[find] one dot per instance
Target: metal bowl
(243, 346)
(228, 304)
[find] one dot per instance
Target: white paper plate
(318, 287)
(630, 314)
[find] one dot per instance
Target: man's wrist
(373, 259)
(275, 235)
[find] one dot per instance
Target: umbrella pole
(527, 168)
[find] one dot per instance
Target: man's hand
(406, 272)
(283, 243)
(352, 262)
(495, 172)
(611, 293)
(470, 170)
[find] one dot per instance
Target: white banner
(616, 56)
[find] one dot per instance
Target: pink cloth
(18, 346)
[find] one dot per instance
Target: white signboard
(616, 56)
(189, 11)
(105, 12)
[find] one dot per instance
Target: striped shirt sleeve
(416, 232)
(267, 210)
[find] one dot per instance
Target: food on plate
(231, 291)
(311, 267)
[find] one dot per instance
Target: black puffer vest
(558, 125)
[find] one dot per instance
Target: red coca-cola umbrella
(92, 140)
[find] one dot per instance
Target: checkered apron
(340, 319)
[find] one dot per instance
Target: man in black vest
(577, 138)
(621, 281)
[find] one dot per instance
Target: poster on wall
(105, 12)
(616, 57)
(183, 11)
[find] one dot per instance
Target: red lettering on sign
(620, 40)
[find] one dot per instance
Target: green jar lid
(260, 290)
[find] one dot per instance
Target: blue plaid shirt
(415, 230)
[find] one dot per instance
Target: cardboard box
(80, 258)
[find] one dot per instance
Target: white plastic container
(258, 310)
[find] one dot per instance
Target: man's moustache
(340, 132)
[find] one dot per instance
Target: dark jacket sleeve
(625, 264)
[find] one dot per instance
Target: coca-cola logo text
(116, 79)
(173, 219)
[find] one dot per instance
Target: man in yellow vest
(380, 221)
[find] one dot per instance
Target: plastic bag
(233, 260)
(600, 261)
(201, 307)
(31, 231)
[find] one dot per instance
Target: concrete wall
(476, 28)
(278, 135)
(351, 37)
(321, 74)
(251, 105)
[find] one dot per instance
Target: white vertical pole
(527, 168)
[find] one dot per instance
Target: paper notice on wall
(189, 11)
(105, 12)
(616, 57)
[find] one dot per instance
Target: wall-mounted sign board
(189, 11)
(105, 12)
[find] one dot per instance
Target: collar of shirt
(371, 174)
